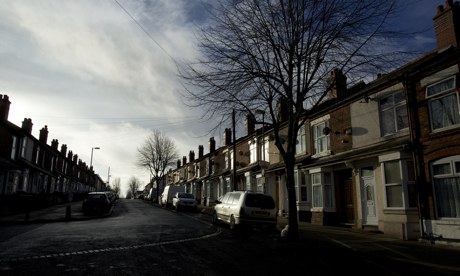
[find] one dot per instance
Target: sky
(103, 74)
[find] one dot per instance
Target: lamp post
(91, 163)
(258, 111)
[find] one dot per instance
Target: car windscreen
(96, 197)
(260, 201)
(185, 195)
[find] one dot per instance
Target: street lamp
(91, 163)
(258, 111)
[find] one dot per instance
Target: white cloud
(95, 78)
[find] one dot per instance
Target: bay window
(446, 182)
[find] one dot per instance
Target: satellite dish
(326, 131)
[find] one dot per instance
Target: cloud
(95, 77)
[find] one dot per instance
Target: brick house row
(45, 173)
(383, 155)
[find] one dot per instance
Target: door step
(370, 228)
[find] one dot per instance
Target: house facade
(382, 156)
(33, 172)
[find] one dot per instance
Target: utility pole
(108, 177)
(235, 186)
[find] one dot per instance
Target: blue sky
(98, 79)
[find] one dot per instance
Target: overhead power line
(145, 31)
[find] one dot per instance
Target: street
(142, 239)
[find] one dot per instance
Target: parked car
(245, 208)
(112, 196)
(182, 200)
(168, 194)
(96, 203)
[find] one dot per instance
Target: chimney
(54, 144)
(64, 149)
(27, 125)
(212, 145)
(282, 110)
(43, 135)
(75, 158)
(4, 107)
(447, 24)
(69, 155)
(200, 151)
(178, 163)
(249, 124)
(337, 83)
(191, 156)
(228, 136)
(184, 160)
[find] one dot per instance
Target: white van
(244, 208)
(168, 194)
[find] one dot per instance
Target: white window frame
(265, 146)
(252, 151)
(301, 190)
(14, 148)
(406, 182)
(226, 160)
(393, 109)
(260, 183)
(322, 191)
(440, 91)
(449, 191)
(301, 146)
(319, 136)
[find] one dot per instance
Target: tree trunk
(293, 232)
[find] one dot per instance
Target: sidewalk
(63, 212)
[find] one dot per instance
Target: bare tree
(133, 185)
(116, 186)
(258, 54)
(156, 155)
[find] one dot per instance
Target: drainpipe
(416, 149)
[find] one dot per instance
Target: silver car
(244, 208)
(182, 201)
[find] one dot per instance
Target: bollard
(68, 212)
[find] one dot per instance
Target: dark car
(96, 203)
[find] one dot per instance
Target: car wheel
(232, 223)
(215, 220)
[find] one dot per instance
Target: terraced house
(35, 174)
(383, 155)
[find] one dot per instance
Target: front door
(368, 196)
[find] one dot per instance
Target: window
(260, 181)
(443, 104)
(197, 170)
(265, 155)
(226, 160)
(300, 185)
(251, 181)
(399, 178)
(301, 141)
(393, 184)
(231, 159)
(393, 113)
(252, 151)
(321, 137)
(446, 182)
(322, 189)
(14, 148)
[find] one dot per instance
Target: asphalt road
(142, 239)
